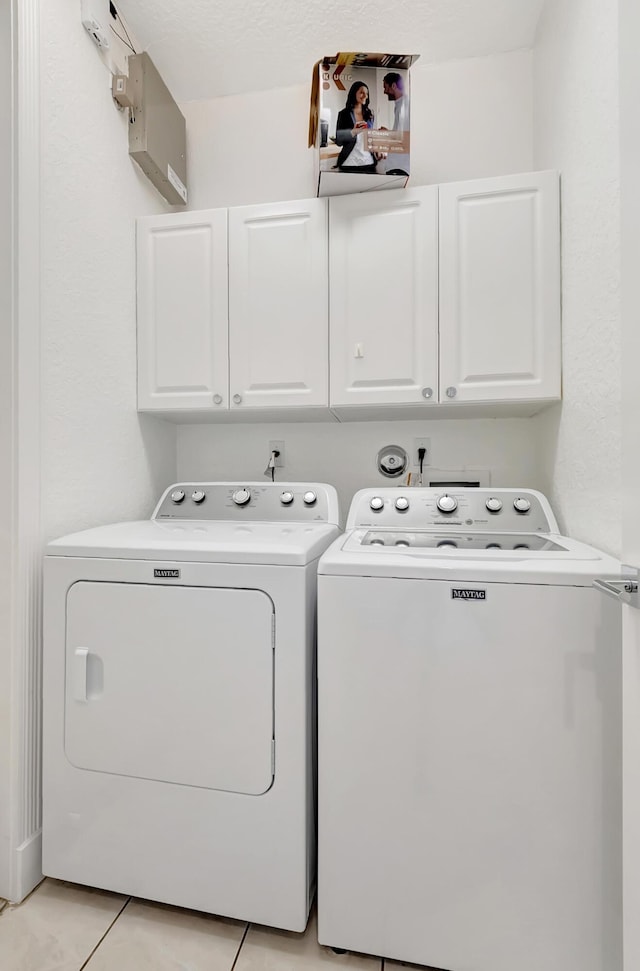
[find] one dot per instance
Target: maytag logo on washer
(163, 574)
(458, 593)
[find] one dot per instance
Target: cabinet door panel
(182, 311)
(278, 305)
(384, 297)
(500, 288)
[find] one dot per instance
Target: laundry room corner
(575, 70)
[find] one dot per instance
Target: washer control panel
(250, 501)
(495, 510)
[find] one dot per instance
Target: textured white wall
(102, 462)
(345, 454)
(210, 50)
(576, 131)
(5, 303)
(5, 434)
(469, 118)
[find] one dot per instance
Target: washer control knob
(402, 503)
(198, 496)
(447, 503)
(286, 498)
(177, 496)
(309, 498)
(521, 504)
(493, 504)
(241, 497)
(377, 503)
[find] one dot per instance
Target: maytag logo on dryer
(460, 593)
(167, 574)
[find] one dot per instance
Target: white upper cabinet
(278, 305)
(384, 298)
(182, 312)
(500, 289)
(376, 305)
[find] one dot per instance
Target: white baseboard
(27, 872)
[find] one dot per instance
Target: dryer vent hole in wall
(392, 461)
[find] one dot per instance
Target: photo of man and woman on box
(364, 121)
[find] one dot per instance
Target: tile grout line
(235, 960)
(125, 904)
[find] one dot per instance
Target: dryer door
(171, 683)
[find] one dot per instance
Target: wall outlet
(278, 447)
(421, 443)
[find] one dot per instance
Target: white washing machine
(469, 736)
(179, 700)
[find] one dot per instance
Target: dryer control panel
(272, 502)
(492, 510)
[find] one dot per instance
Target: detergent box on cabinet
(359, 122)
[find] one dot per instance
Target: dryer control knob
(177, 496)
(241, 497)
(198, 496)
(377, 503)
(286, 498)
(309, 498)
(402, 503)
(447, 503)
(493, 504)
(521, 504)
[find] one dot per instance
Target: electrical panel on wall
(157, 133)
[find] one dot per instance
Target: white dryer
(469, 736)
(179, 700)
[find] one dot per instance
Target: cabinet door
(182, 311)
(384, 297)
(278, 305)
(500, 288)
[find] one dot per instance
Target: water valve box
(359, 122)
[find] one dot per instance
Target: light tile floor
(64, 927)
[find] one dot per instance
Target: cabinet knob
(452, 392)
(427, 392)
(217, 399)
(237, 398)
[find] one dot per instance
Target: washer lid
(210, 542)
(433, 555)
